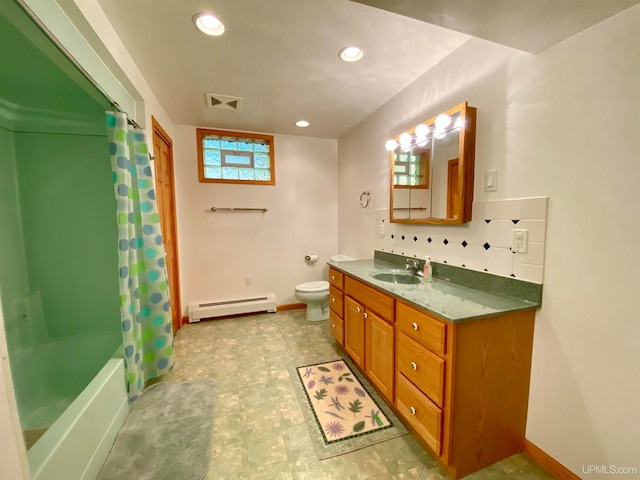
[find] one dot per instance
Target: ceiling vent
(223, 102)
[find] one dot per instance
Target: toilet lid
(312, 287)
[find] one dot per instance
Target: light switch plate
(491, 181)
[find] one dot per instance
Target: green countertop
(449, 300)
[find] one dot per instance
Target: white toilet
(316, 295)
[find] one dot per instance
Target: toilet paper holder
(311, 258)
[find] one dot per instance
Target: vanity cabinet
(462, 387)
(369, 333)
(336, 305)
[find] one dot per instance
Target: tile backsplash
(483, 244)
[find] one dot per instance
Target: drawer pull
(333, 277)
(333, 299)
(358, 309)
(414, 366)
(333, 325)
(412, 410)
(366, 315)
(414, 325)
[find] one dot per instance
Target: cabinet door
(379, 353)
(354, 331)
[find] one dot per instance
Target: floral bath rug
(343, 412)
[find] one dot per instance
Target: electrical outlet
(248, 280)
(519, 240)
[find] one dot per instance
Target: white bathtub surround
(484, 244)
(78, 443)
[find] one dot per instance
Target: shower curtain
(144, 293)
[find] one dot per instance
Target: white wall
(217, 250)
(562, 124)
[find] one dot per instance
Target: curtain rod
(75, 63)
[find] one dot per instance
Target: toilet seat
(313, 287)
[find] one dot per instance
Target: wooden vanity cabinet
(369, 333)
(336, 305)
(463, 387)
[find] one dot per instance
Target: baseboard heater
(237, 306)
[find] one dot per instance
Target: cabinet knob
(358, 309)
(414, 325)
(333, 299)
(333, 325)
(333, 277)
(366, 315)
(412, 410)
(414, 366)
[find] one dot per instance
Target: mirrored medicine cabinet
(432, 168)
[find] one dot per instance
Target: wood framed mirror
(432, 169)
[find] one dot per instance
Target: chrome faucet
(414, 266)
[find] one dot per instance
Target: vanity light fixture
(422, 133)
(391, 145)
(302, 123)
(208, 24)
(351, 54)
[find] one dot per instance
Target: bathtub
(63, 390)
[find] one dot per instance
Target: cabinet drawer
(336, 278)
(421, 327)
(374, 300)
(423, 368)
(336, 325)
(336, 301)
(420, 412)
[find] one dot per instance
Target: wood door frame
(160, 132)
(454, 162)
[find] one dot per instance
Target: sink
(397, 277)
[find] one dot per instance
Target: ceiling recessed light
(302, 123)
(351, 54)
(208, 24)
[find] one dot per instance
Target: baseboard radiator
(220, 308)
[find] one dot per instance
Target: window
(235, 157)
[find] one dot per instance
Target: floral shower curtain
(144, 293)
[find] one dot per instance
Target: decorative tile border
(484, 244)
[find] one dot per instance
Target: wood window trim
(201, 133)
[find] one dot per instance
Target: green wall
(58, 234)
(68, 219)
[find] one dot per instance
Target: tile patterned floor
(259, 431)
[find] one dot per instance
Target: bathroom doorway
(165, 194)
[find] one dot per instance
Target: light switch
(381, 230)
(491, 181)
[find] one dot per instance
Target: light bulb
(391, 145)
(443, 121)
(422, 130)
(208, 24)
(405, 139)
(351, 54)
(302, 123)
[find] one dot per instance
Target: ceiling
(281, 56)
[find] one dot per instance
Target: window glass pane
(228, 158)
(403, 180)
(263, 175)
(246, 174)
(212, 172)
(212, 157)
(211, 143)
(228, 145)
(230, 173)
(246, 146)
(231, 159)
(400, 168)
(262, 160)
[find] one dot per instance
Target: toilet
(316, 295)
